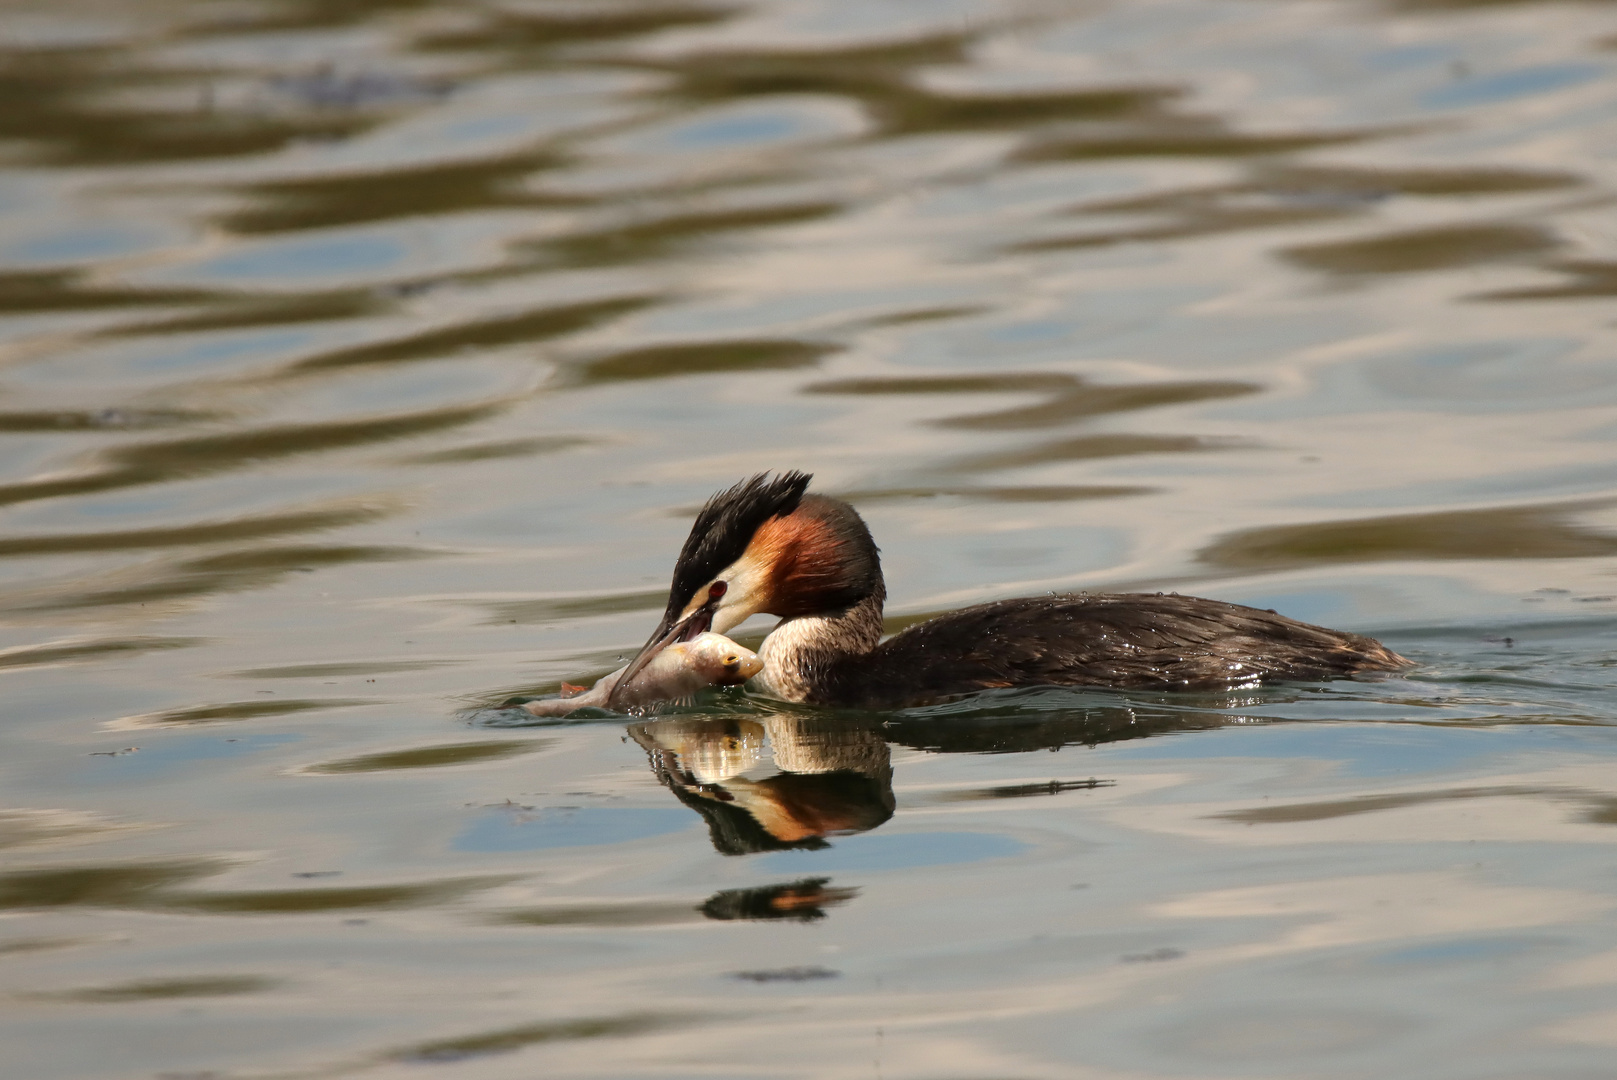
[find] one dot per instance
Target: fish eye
(732, 660)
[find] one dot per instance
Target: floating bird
(765, 545)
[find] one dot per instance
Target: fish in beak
(669, 632)
(710, 590)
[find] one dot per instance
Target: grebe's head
(816, 558)
(723, 530)
(765, 546)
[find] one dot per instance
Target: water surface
(364, 363)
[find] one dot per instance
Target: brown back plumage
(1116, 640)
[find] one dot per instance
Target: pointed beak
(670, 632)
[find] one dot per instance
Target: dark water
(364, 363)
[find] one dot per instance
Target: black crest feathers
(725, 526)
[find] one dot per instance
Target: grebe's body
(1113, 640)
(811, 560)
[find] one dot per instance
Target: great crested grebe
(765, 546)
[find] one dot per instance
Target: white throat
(799, 654)
(787, 653)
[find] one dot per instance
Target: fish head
(719, 660)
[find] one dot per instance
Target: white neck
(800, 654)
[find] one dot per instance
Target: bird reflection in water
(776, 782)
(797, 901)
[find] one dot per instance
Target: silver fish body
(676, 673)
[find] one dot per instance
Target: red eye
(717, 589)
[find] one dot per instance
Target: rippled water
(364, 363)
